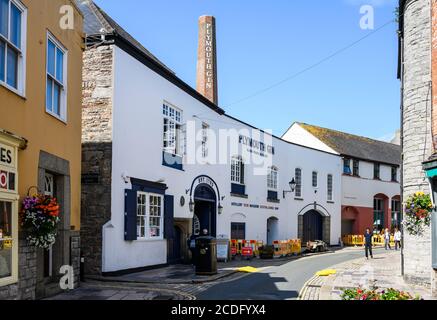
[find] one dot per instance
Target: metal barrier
(282, 248)
(358, 240)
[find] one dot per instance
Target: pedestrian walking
(398, 237)
(368, 243)
(387, 236)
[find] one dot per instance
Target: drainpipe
(402, 148)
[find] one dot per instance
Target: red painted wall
(363, 217)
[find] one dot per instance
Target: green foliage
(417, 213)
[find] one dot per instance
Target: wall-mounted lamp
(191, 205)
(292, 185)
(125, 177)
(220, 209)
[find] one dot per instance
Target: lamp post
(292, 185)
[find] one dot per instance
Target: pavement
(281, 281)
(382, 272)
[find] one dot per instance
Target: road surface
(282, 282)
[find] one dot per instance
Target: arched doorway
(381, 214)
(272, 230)
(205, 208)
(312, 226)
(349, 221)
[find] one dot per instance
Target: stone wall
(417, 139)
(25, 288)
(97, 94)
(96, 153)
(75, 257)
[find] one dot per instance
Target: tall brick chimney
(207, 59)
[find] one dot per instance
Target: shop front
(9, 146)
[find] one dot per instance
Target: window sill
(54, 115)
(298, 199)
(273, 200)
(149, 240)
(331, 202)
(13, 90)
(236, 195)
(8, 281)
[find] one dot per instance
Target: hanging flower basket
(39, 219)
(418, 209)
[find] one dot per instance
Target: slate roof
(356, 146)
(97, 22)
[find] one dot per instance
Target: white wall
(360, 191)
(356, 191)
(137, 151)
(297, 134)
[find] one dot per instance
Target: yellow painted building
(41, 46)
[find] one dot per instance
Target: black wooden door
(312, 226)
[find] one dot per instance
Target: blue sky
(262, 42)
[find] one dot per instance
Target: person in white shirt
(398, 237)
(387, 239)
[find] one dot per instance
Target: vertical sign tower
(207, 59)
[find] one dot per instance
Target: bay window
(12, 45)
(5, 239)
(56, 99)
(149, 216)
(8, 210)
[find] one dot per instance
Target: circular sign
(3, 180)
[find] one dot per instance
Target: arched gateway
(314, 223)
(205, 209)
(205, 195)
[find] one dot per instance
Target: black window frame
(356, 167)
(377, 171)
(394, 174)
(347, 166)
